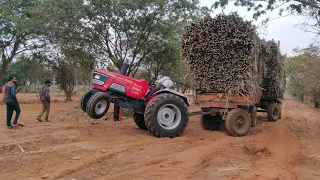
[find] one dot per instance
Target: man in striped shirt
(12, 103)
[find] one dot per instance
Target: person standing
(9, 92)
(45, 99)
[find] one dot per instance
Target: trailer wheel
(166, 115)
(238, 122)
(139, 120)
(209, 122)
(253, 115)
(84, 100)
(273, 112)
(98, 105)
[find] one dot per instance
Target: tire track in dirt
(284, 148)
(269, 151)
(182, 164)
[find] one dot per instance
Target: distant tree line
(67, 39)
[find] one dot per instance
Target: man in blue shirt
(11, 101)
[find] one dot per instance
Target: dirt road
(73, 147)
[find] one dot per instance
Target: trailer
(238, 112)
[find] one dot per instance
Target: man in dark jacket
(45, 99)
(12, 103)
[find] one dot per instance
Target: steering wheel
(151, 82)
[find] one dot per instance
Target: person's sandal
(47, 121)
(9, 127)
(39, 119)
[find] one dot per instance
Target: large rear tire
(209, 122)
(166, 115)
(238, 122)
(98, 105)
(84, 100)
(139, 120)
(273, 112)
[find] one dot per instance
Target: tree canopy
(303, 73)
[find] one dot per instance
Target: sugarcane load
(236, 74)
(220, 52)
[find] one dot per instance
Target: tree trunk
(68, 96)
(316, 99)
(301, 97)
(4, 68)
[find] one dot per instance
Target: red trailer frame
(239, 112)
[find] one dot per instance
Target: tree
(183, 76)
(262, 6)
(306, 8)
(29, 71)
(65, 76)
(19, 30)
(83, 64)
(163, 61)
(130, 30)
(303, 73)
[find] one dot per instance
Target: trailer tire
(139, 120)
(84, 100)
(166, 115)
(273, 112)
(253, 115)
(209, 122)
(98, 105)
(238, 122)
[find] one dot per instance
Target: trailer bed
(223, 100)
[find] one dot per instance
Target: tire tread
(151, 107)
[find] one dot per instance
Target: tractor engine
(122, 90)
(109, 81)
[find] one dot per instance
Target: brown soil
(73, 147)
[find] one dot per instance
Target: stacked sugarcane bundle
(221, 53)
(273, 80)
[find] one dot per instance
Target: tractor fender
(167, 90)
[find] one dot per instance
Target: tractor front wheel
(84, 100)
(98, 105)
(166, 115)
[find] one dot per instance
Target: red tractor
(162, 111)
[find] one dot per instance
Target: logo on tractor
(118, 87)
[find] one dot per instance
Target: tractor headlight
(99, 78)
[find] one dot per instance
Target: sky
(280, 29)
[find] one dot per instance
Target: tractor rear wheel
(84, 100)
(139, 120)
(98, 105)
(166, 115)
(209, 122)
(273, 112)
(238, 122)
